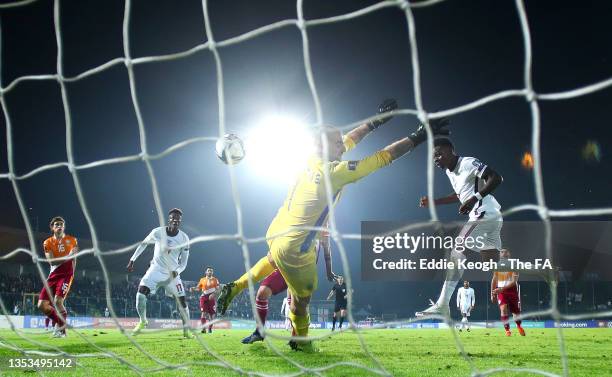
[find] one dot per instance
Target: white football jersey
(466, 180)
(172, 257)
(465, 297)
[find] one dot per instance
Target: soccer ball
(230, 149)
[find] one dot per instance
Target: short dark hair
(443, 142)
(207, 267)
(175, 210)
(56, 218)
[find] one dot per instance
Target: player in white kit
(169, 260)
(473, 182)
(285, 310)
(465, 303)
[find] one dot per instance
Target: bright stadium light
(278, 148)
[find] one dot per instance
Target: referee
(340, 308)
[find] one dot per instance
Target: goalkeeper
(292, 250)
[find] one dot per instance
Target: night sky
(468, 50)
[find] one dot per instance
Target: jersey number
(179, 288)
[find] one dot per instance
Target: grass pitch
(400, 352)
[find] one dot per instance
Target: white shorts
(465, 310)
(485, 234)
(156, 277)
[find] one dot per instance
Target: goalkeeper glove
(438, 127)
(387, 105)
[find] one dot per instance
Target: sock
(141, 306)
(451, 280)
(65, 315)
(262, 310)
(334, 322)
(464, 322)
(47, 320)
(185, 317)
(518, 323)
(300, 323)
(504, 319)
(202, 321)
(260, 270)
(341, 321)
(54, 318)
(211, 325)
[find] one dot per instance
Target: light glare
(278, 148)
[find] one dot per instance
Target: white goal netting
(545, 213)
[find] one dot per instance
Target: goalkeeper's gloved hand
(387, 105)
(438, 127)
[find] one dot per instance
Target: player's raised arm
(143, 245)
(358, 133)
(407, 144)
(346, 172)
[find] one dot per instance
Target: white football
(230, 149)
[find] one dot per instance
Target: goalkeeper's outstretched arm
(350, 171)
(407, 144)
(358, 133)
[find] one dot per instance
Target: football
(230, 149)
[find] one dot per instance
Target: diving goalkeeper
(292, 250)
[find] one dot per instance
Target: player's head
(466, 284)
(444, 153)
(504, 254)
(340, 279)
(209, 271)
(335, 145)
(57, 225)
(175, 216)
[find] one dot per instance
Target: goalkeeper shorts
(298, 268)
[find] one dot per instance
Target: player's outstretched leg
(272, 285)
(260, 270)
(141, 308)
(440, 307)
(185, 317)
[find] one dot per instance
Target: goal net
(238, 235)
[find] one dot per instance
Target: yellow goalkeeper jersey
(306, 202)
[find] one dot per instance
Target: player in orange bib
(208, 305)
(61, 274)
(505, 288)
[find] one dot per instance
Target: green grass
(401, 352)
